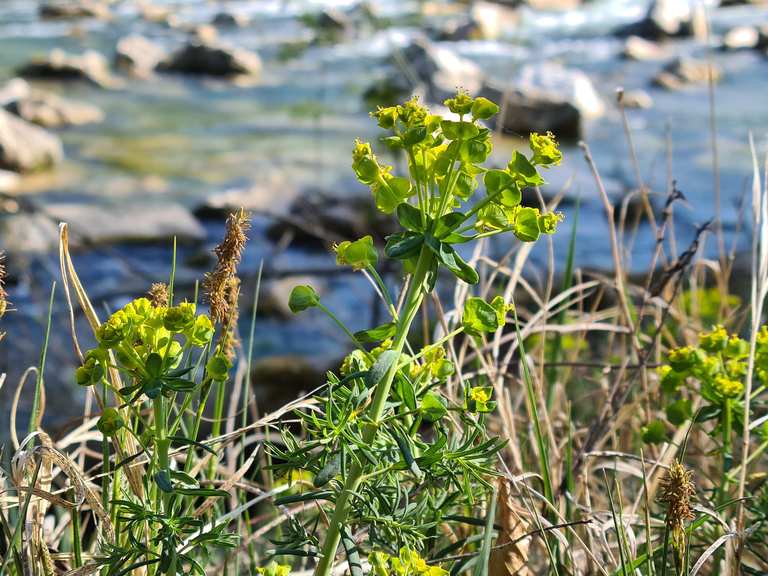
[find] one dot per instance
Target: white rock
(100, 225)
(25, 147)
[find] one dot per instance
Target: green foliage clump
(384, 445)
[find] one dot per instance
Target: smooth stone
(101, 225)
(25, 147)
(436, 69)
(637, 99)
(546, 97)
(333, 19)
(741, 38)
(26, 233)
(137, 55)
(231, 20)
(70, 9)
(683, 72)
(52, 111)
(280, 379)
(666, 19)
(493, 19)
(637, 48)
(271, 197)
(60, 65)
(9, 181)
(199, 58)
(13, 90)
(316, 221)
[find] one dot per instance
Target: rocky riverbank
(137, 122)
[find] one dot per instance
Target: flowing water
(181, 139)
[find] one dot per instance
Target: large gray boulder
(71, 9)
(25, 147)
(52, 111)
(28, 232)
(59, 65)
(131, 223)
(665, 19)
(138, 56)
(637, 48)
(683, 72)
(439, 69)
(741, 38)
(270, 196)
(424, 67)
(231, 20)
(208, 59)
(546, 97)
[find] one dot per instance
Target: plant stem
(727, 425)
(375, 411)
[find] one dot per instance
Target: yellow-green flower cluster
(545, 150)
(407, 563)
(761, 355)
(140, 329)
(274, 569)
(388, 190)
(434, 363)
(719, 363)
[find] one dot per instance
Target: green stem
(36, 399)
(412, 304)
(727, 456)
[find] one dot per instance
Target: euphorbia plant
(383, 448)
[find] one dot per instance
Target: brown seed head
(158, 294)
(230, 338)
(228, 255)
(676, 491)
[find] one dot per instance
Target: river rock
(9, 181)
(440, 70)
(316, 221)
(204, 33)
(138, 55)
(25, 147)
(135, 222)
(333, 21)
(279, 379)
(52, 111)
(59, 65)
(210, 59)
(727, 3)
(637, 48)
(231, 20)
(741, 38)
(494, 19)
(546, 97)
(553, 5)
(158, 14)
(664, 19)
(272, 196)
(70, 9)
(28, 232)
(637, 99)
(14, 89)
(683, 72)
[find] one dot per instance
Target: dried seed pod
(676, 491)
(158, 294)
(228, 253)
